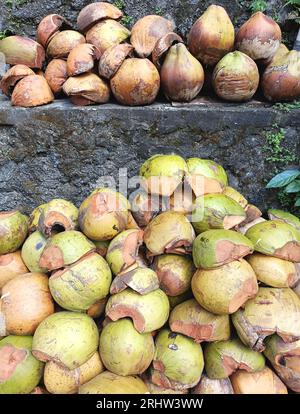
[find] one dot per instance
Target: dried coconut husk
(262, 382)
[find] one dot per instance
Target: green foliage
(3, 34)
(288, 106)
(127, 20)
(295, 13)
(288, 182)
(158, 11)
(12, 3)
(275, 152)
(119, 4)
(258, 5)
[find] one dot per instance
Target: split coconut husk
(213, 386)
(262, 382)
(32, 250)
(11, 265)
(58, 214)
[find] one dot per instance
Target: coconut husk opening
(199, 333)
(126, 311)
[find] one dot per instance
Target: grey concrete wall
(61, 150)
(22, 16)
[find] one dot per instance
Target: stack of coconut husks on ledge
(102, 58)
(165, 293)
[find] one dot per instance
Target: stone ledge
(61, 150)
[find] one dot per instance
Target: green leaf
(297, 204)
(283, 179)
(293, 187)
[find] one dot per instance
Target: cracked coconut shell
(275, 238)
(81, 285)
(20, 50)
(205, 176)
(216, 211)
(169, 232)
(108, 383)
(161, 174)
(174, 273)
(147, 31)
(103, 214)
(58, 213)
(271, 311)
(190, 319)
(148, 312)
(20, 371)
(285, 359)
(285, 217)
(225, 289)
(122, 253)
(61, 380)
(262, 382)
(214, 248)
(13, 76)
(31, 91)
(95, 12)
(213, 386)
(64, 249)
(56, 75)
(223, 358)
(68, 338)
(272, 271)
(140, 280)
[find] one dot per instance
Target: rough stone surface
(22, 16)
(61, 150)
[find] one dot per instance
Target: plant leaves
(297, 204)
(283, 179)
(293, 187)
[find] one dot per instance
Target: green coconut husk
(169, 232)
(58, 213)
(271, 311)
(190, 319)
(141, 280)
(235, 195)
(123, 251)
(61, 380)
(216, 211)
(161, 174)
(206, 176)
(261, 382)
(214, 248)
(178, 361)
(13, 231)
(174, 273)
(272, 271)
(213, 386)
(225, 289)
(64, 249)
(20, 371)
(285, 359)
(103, 214)
(82, 284)
(67, 338)
(148, 312)
(109, 383)
(285, 217)
(225, 357)
(123, 350)
(32, 250)
(275, 238)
